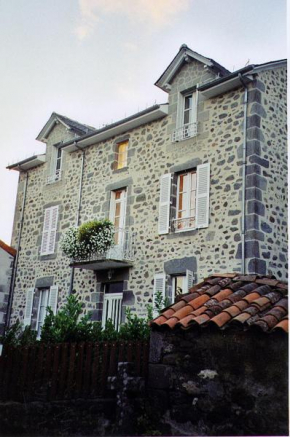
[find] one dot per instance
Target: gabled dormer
(57, 130)
(181, 80)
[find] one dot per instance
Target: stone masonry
(151, 154)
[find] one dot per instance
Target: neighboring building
(219, 359)
(7, 258)
(193, 186)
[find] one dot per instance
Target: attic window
(186, 126)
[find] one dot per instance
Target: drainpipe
(15, 265)
(72, 274)
(243, 230)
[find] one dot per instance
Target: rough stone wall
(219, 383)
(267, 170)
(151, 154)
(6, 265)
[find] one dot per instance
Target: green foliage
(17, 336)
(69, 326)
(160, 302)
(92, 228)
(135, 328)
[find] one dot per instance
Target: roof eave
(157, 112)
(28, 164)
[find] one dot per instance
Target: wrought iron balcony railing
(184, 132)
(183, 224)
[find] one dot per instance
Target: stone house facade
(193, 186)
(7, 258)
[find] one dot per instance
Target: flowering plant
(96, 236)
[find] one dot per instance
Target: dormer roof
(77, 128)
(183, 56)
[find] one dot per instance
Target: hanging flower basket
(94, 237)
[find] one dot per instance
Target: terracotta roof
(7, 248)
(230, 300)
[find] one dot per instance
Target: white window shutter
(202, 195)
(189, 280)
(49, 230)
(28, 306)
(159, 285)
(52, 300)
(164, 204)
(53, 229)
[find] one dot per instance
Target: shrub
(92, 237)
(17, 336)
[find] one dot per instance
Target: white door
(112, 309)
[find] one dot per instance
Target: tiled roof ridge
(230, 299)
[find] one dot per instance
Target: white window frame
(120, 231)
(188, 206)
(55, 173)
(50, 301)
(187, 281)
(186, 130)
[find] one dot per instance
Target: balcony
(54, 177)
(184, 132)
(118, 256)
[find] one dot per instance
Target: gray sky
(96, 61)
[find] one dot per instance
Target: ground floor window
(42, 309)
(112, 305)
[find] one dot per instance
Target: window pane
(188, 102)
(186, 117)
(118, 209)
(118, 194)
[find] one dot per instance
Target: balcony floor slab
(105, 264)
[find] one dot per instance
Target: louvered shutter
(49, 230)
(53, 228)
(159, 285)
(189, 280)
(164, 204)
(28, 306)
(202, 195)
(52, 300)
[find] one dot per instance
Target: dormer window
(55, 169)
(186, 117)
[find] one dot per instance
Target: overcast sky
(97, 60)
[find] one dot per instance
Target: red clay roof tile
(250, 297)
(199, 301)
(227, 300)
(283, 325)
(221, 319)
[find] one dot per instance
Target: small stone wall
(219, 383)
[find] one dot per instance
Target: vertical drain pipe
(14, 271)
(72, 273)
(243, 231)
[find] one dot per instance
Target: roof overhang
(27, 164)
(144, 117)
(49, 125)
(224, 86)
(185, 54)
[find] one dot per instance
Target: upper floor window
(49, 230)
(186, 117)
(189, 209)
(186, 201)
(118, 213)
(55, 168)
(122, 155)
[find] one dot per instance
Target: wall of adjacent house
(208, 382)
(6, 265)
(151, 154)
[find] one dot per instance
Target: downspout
(72, 273)
(15, 265)
(243, 230)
